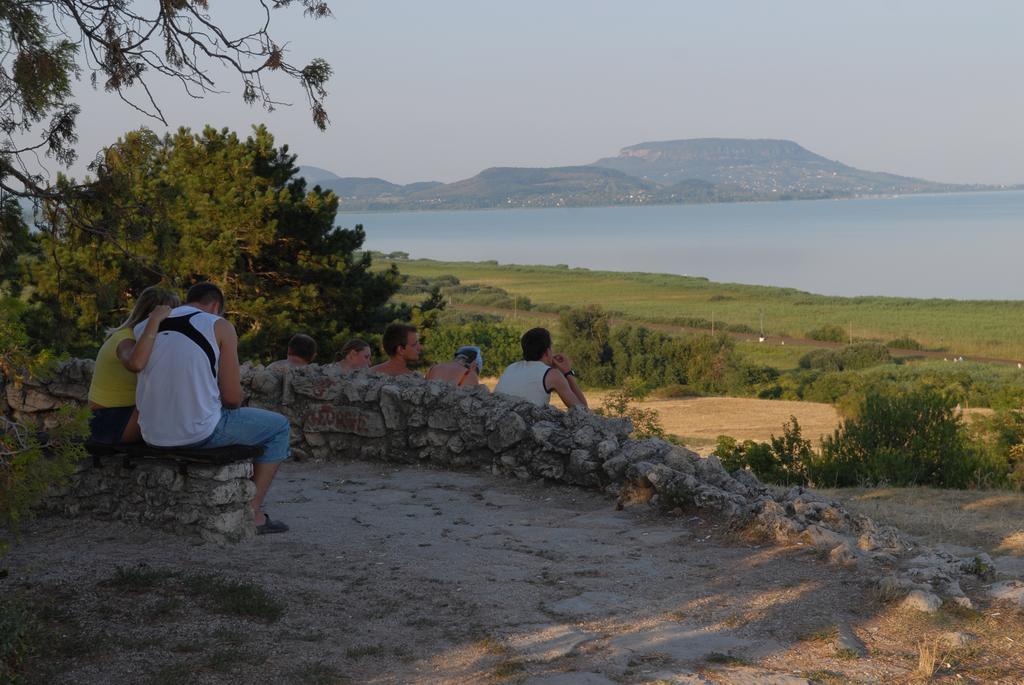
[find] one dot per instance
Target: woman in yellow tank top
(112, 391)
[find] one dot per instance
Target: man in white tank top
(541, 372)
(189, 393)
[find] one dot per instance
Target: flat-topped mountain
(758, 166)
(666, 172)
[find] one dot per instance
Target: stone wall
(210, 503)
(412, 421)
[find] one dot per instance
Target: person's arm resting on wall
(229, 374)
(565, 385)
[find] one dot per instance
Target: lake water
(962, 245)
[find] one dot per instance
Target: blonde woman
(112, 391)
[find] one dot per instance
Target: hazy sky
(440, 90)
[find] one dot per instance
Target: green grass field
(985, 328)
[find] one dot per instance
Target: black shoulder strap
(180, 324)
(544, 381)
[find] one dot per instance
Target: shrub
(913, 437)
(646, 422)
(828, 333)
(30, 463)
(904, 343)
(785, 460)
(849, 358)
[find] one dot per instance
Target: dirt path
(419, 576)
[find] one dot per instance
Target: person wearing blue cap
(464, 370)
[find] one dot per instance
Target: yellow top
(112, 384)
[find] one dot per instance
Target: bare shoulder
(224, 331)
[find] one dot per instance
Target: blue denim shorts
(252, 426)
(107, 425)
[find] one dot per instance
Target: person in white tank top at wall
(541, 372)
(189, 394)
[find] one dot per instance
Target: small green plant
(724, 659)
(646, 422)
(492, 646)
(508, 668)
(137, 578)
(786, 459)
(234, 597)
(17, 629)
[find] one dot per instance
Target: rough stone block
(235, 523)
(392, 408)
(509, 430)
(919, 600)
(328, 418)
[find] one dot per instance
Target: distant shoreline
(880, 196)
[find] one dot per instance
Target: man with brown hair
(401, 344)
(190, 395)
(301, 352)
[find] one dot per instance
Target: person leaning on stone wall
(356, 354)
(401, 343)
(190, 393)
(462, 371)
(301, 352)
(541, 372)
(112, 390)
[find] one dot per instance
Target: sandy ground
(407, 575)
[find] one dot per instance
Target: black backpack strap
(181, 324)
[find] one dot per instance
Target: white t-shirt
(177, 394)
(525, 379)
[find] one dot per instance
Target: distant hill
(759, 166)
(315, 175)
(667, 172)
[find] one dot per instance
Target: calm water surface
(964, 245)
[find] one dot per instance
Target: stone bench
(202, 493)
(182, 457)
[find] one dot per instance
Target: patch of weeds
(979, 568)
(887, 593)
(164, 607)
(735, 621)
(136, 578)
(961, 613)
(18, 638)
(318, 673)
(508, 668)
(826, 677)
(819, 635)
(225, 660)
(233, 597)
(171, 674)
(365, 651)
(725, 659)
(749, 533)
(847, 653)
(491, 645)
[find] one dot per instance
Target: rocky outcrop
(408, 420)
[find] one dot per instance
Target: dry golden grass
(703, 419)
(990, 519)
